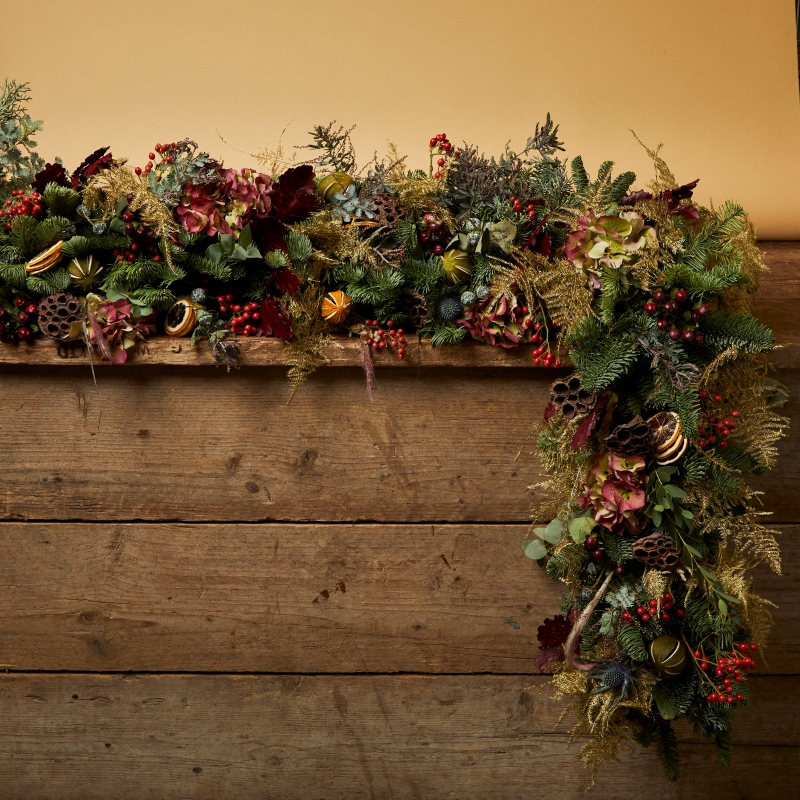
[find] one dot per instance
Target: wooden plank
(775, 304)
(200, 445)
(294, 598)
(345, 737)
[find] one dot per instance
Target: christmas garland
(646, 445)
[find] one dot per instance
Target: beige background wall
(715, 80)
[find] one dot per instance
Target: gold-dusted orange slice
(665, 428)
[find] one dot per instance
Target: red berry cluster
(592, 544)
(21, 205)
(519, 206)
(435, 237)
(681, 322)
(729, 670)
(442, 145)
(650, 611)
(380, 339)
(143, 240)
(715, 431)
(167, 153)
(244, 314)
(14, 329)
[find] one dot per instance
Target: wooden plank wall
(207, 593)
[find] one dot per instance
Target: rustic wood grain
(775, 304)
(345, 737)
(294, 598)
(202, 445)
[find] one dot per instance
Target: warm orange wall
(715, 80)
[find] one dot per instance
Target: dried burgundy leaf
(274, 320)
(545, 660)
(674, 196)
(52, 173)
(690, 212)
(285, 281)
(91, 165)
(635, 197)
(268, 233)
(591, 422)
(549, 411)
(293, 197)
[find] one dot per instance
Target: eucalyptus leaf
(580, 528)
(553, 532)
(675, 491)
(657, 517)
(727, 596)
(534, 549)
(723, 607)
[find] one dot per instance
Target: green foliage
(742, 331)
(631, 641)
(141, 274)
(159, 299)
(13, 274)
(711, 245)
(56, 280)
(88, 244)
(30, 237)
(19, 162)
(299, 247)
(220, 270)
(600, 357)
(666, 743)
(61, 201)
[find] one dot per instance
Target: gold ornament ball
(668, 655)
(329, 185)
(336, 307)
(457, 266)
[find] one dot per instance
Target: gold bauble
(668, 655)
(329, 185)
(457, 265)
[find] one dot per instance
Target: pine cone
(570, 398)
(387, 209)
(57, 314)
(415, 307)
(656, 550)
(630, 439)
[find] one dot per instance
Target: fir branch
(56, 280)
(722, 330)
(335, 146)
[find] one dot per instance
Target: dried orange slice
(670, 451)
(665, 428)
(674, 458)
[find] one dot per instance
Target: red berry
(22, 318)
(447, 147)
(659, 296)
(157, 259)
(31, 309)
(437, 175)
(718, 398)
(440, 162)
(645, 618)
(680, 612)
(23, 334)
(703, 310)
(597, 554)
(151, 156)
(650, 308)
(20, 302)
(662, 324)
(640, 610)
(754, 647)
(620, 571)
(680, 295)
(625, 615)
(590, 543)
(744, 647)
(688, 336)
(740, 697)
(734, 414)
(438, 250)
(440, 137)
(432, 142)
(704, 666)
(653, 604)
(537, 361)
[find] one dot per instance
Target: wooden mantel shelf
(776, 304)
